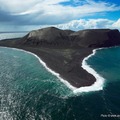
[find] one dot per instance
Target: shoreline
(64, 53)
(96, 86)
(47, 68)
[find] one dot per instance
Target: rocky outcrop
(96, 38)
(48, 36)
(84, 38)
(64, 50)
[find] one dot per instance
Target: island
(64, 50)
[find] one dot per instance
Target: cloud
(73, 25)
(46, 12)
(85, 24)
(116, 24)
(88, 24)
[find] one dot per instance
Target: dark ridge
(68, 32)
(96, 38)
(66, 38)
(47, 37)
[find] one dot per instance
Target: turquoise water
(29, 92)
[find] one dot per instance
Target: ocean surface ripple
(29, 92)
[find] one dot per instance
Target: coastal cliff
(64, 50)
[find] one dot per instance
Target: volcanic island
(64, 50)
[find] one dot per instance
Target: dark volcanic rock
(68, 32)
(96, 38)
(61, 38)
(50, 36)
(64, 50)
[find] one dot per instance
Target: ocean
(7, 35)
(30, 92)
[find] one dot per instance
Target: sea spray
(98, 85)
(47, 68)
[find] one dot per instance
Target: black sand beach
(64, 50)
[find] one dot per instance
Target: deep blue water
(29, 92)
(107, 63)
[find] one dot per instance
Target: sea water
(7, 35)
(29, 92)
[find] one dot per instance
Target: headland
(63, 51)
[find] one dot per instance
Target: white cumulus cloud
(87, 24)
(73, 25)
(116, 24)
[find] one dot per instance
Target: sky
(19, 15)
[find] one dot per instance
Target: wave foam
(48, 69)
(98, 85)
